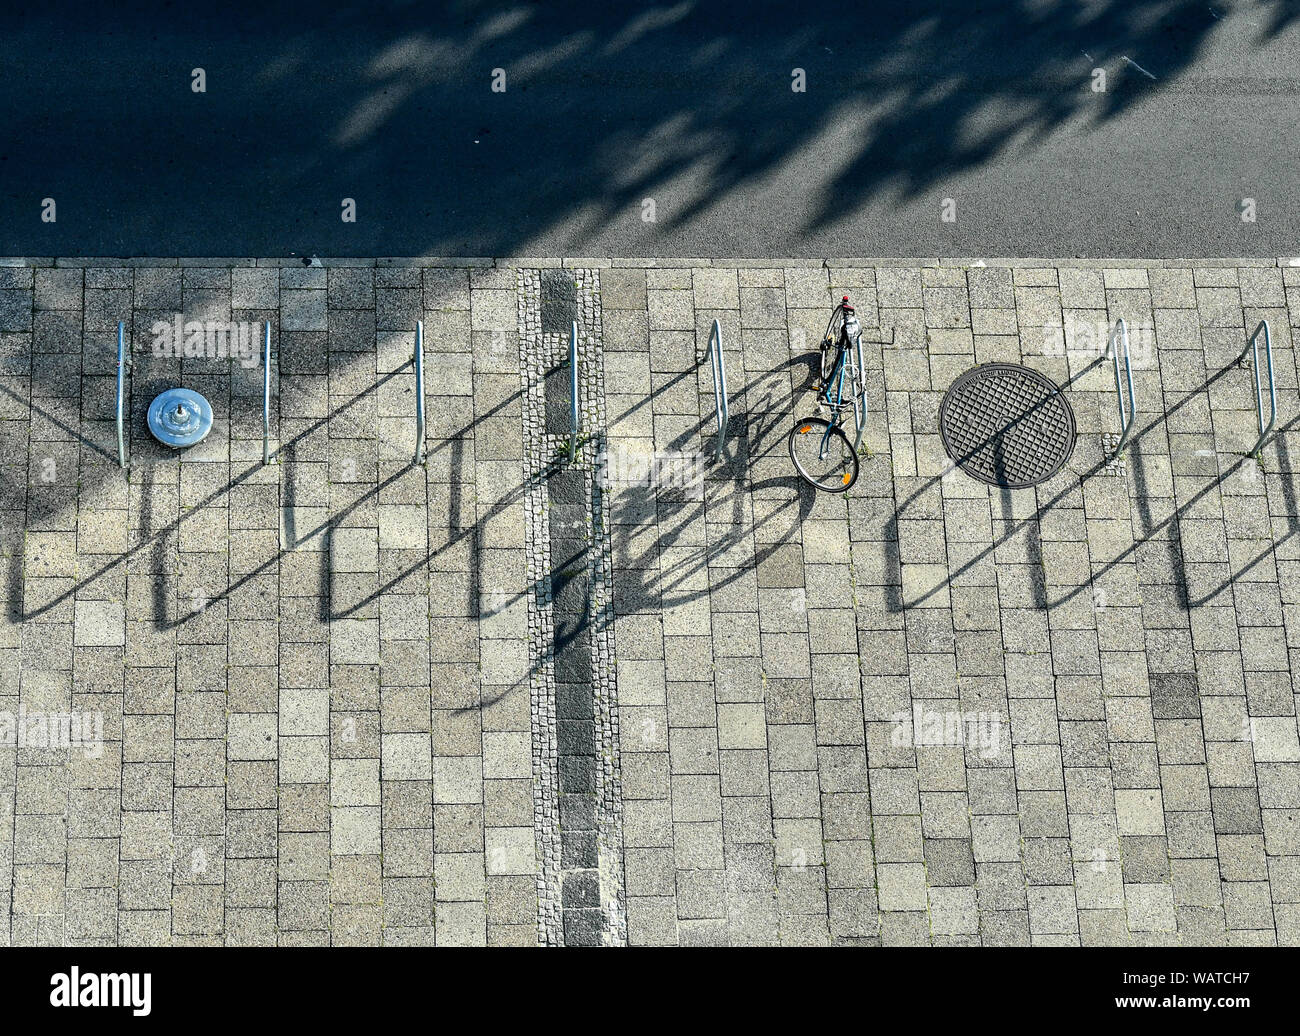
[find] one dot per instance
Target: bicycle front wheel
(823, 455)
(827, 364)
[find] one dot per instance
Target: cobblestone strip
(579, 599)
(541, 634)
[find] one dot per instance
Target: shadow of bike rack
(574, 424)
(722, 413)
(420, 454)
(123, 361)
(1253, 345)
(1120, 333)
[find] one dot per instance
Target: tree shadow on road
(686, 104)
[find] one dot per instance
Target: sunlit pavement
(645, 696)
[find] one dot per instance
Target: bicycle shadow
(738, 521)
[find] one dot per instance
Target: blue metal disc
(180, 417)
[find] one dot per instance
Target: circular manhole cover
(1006, 425)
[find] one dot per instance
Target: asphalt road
(689, 105)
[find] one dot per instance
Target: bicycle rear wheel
(823, 455)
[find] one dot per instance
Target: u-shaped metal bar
(722, 411)
(266, 393)
(1118, 334)
(121, 394)
(1264, 429)
(574, 423)
(860, 404)
(419, 393)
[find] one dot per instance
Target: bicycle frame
(844, 347)
(836, 408)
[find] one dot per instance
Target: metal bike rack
(419, 392)
(121, 393)
(574, 425)
(266, 394)
(860, 403)
(721, 411)
(1264, 430)
(1120, 333)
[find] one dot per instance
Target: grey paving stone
(949, 862)
(1131, 633)
(1236, 810)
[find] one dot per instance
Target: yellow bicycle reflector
(847, 476)
(805, 429)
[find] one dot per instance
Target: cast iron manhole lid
(1006, 425)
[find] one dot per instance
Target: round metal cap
(180, 417)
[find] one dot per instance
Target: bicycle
(828, 461)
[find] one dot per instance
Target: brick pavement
(927, 711)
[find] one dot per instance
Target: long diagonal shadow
(1012, 528)
(451, 442)
(633, 576)
(1177, 514)
(1293, 522)
(327, 527)
(174, 526)
(59, 423)
(639, 579)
